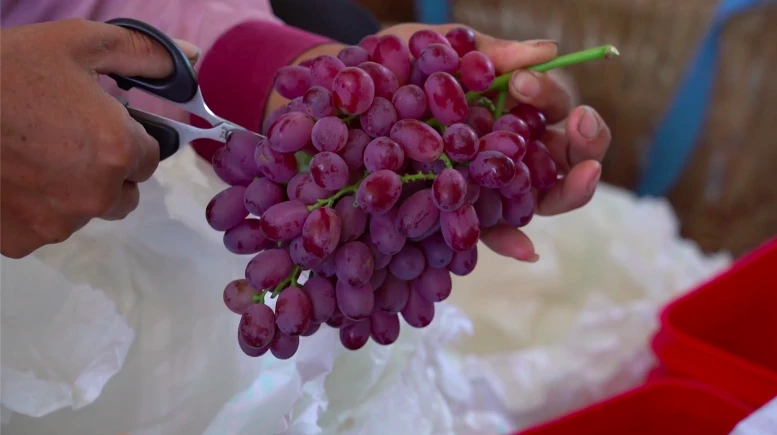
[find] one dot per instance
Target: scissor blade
(186, 132)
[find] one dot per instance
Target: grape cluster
(378, 176)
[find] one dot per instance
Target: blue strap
(433, 11)
(680, 130)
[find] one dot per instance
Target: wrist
(332, 49)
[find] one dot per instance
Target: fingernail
(534, 258)
(541, 42)
(526, 83)
(190, 50)
(588, 126)
(595, 180)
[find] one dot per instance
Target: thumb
(129, 53)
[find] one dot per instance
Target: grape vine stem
(500, 83)
(329, 202)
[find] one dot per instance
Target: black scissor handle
(180, 87)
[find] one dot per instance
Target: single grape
(392, 53)
(268, 268)
(473, 188)
(379, 118)
(480, 119)
(542, 167)
(506, 142)
(492, 169)
(410, 102)
(245, 237)
(392, 296)
(383, 153)
(228, 170)
(520, 184)
(284, 346)
(449, 190)
(385, 234)
(460, 228)
(312, 329)
(510, 122)
(385, 81)
(408, 263)
(418, 140)
(353, 153)
(356, 335)
(369, 43)
(381, 260)
(318, 102)
(446, 98)
(433, 284)
(338, 320)
(329, 170)
(355, 302)
(303, 189)
(422, 39)
(463, 263)
(461, 143)
(353, 90)
(518, 210)
(439, 58)
(417, 214)
(257, 325)
(417, 77)
(293, 311)
(277, 167)
(378, 277)
(273, 117)
(239, 295)
(417, 312)
(226, 209)
(262, 194)
(438, 254)
(434, 167)
(353, 220)
(533, 117)
(292, 81)
(323, 70)
(302, 257)
(354, 264)
(489, 208)
(329, 134)
(477, 71)
(353, 55)
(291, 133)
(321, 232)
(326, 268)
(284, 221)
(462, 40)
(378, 193)
(249, 350)
(384, 328)
(241, 147)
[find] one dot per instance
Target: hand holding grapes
(578, 141)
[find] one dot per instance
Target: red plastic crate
(659, 408)
(724, 334)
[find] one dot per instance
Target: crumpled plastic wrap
(122, 330)
(763, 421)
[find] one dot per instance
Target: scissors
(180, 88)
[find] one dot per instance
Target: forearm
(236, 75)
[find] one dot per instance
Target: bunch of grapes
(378, 177)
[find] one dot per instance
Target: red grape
(292, 81)
(384, 328)
(353, 90)
(291, 133)
(438, 58)
(378, 193)
(383, 153)
(417, 214)
(506, 142)
(433, 284)
(461, 143)
(245, 237)
(533, 117)
(449, 190)
(239, 295)
(257, 325)
(492, 169)
(422, 39)
(418, 140)
(226, 209)
(392, 53)
(385, 81)
(321, 232)
(518, 210)
(462, 40)
(353, 55)
(477, 71)
(293, 311)
(355, 335)
(323, 70)
(460, 228)
(446, 98)
(329, 170)
(418, 312)
(379, 118)
(410, 102)
(318, 102)
(510, 122)
(541, 165)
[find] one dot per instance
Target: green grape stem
(289, 281)
(501, 82)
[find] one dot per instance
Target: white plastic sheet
(761, 422)
(122, 330)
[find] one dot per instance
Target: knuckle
(97, 204)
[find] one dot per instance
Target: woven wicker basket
(727, 198)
